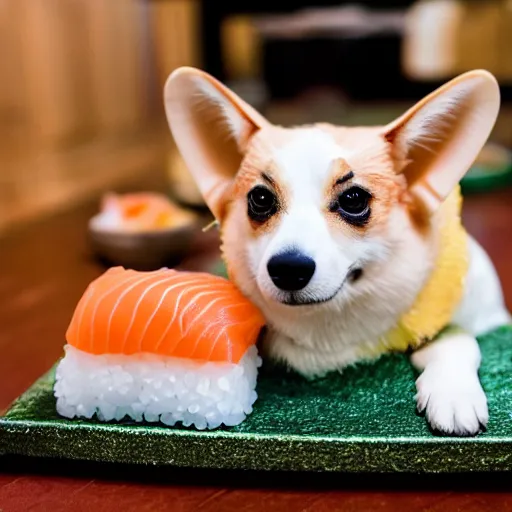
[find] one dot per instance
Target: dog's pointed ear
(435, 142)
(211, 126)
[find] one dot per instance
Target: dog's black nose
(291, 271)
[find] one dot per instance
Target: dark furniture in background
(366, 68)
(213, 14)
(352, 64)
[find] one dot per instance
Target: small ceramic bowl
(145, 250)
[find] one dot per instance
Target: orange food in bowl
(140, 211)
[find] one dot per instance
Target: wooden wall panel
(80, 95)
(117, 71)
(12, 98)
(175, 28)
(55, 64)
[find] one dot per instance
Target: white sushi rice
(148, 387)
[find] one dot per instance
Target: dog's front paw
(454, 401)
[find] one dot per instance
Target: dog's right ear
(438, 139)
(211, 126)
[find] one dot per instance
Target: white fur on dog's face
(304, 168)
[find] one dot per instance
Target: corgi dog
(349, 239)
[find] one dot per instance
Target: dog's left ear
(211, 126)
(436, 141)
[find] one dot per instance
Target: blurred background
(81, 92)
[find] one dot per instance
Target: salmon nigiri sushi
(166, 345)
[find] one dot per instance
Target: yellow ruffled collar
(437, 301)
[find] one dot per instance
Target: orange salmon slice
(174, 313)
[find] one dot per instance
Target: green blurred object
(491, 171)
(483, 179)
(361, 421)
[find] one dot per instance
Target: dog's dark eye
(354, 206)
(261, 203)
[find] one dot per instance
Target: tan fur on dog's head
(354, 207)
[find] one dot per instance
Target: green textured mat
(361, 421)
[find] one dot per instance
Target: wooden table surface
(44, 269)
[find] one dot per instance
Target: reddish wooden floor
(43, 271)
